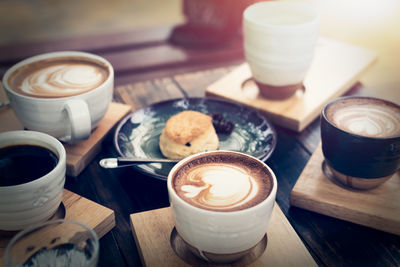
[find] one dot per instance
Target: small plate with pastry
(178, 128)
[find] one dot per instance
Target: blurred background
(373, 24)
(38, 20)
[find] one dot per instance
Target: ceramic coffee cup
(361, 140)
(279, 44)
(222, 202)
(64, 94)
(32, 176)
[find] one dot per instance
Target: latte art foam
(222, 187)
(367, 118)
(219, 187)
(58, 78)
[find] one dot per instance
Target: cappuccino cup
(279, 44)
(361, 140)
(222, 202)
(32, 177)
(63, 94)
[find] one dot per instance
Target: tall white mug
(279, 44)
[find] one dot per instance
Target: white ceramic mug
(279, 44)
(25, 204)
(68, 118)
(221, 236)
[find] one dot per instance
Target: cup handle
(79, 117)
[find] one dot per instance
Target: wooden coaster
(96, 216)
(378, 208)
(182, 250)
(79, 154)
(152, 231)
(336, 67)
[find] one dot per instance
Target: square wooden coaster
(378, 208)
(152, 231)
(78, 208)
(79, 155)
(336, 67)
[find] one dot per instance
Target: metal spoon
(111, 163)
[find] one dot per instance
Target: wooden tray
(336, 67)
(152, 230)
(79, 154)
(378, 208)
(96, 216)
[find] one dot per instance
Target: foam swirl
(219, 186)
(63, 79)
(368, 120)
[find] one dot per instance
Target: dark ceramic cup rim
(353, 134)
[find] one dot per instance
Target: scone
(186, 133)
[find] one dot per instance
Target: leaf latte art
(58, 78)
(220, 187)
(62, 80)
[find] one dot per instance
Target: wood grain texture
(80, 154)
(194, 83)
(152, 231)
(142, 94)
(336, 67)
(78, 208)
(93, 43)
(101, 219)
(378, 208)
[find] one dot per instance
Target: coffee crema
(222, 183)
(365, 116)
(58, 77)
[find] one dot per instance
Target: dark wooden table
(149, 69)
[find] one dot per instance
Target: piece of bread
(186, 133)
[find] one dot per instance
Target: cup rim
(37, 225)
(24, 137)
(272, 194)
(51, 55)
(323, 114)
(256, 25)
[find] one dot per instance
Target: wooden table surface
(149, 69)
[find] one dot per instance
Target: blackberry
(221, 125)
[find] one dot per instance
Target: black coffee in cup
(21, 164)
(361, 138)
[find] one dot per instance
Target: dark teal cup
(361, 161)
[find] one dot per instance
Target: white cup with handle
(64, 94)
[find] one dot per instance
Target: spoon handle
(122, 162)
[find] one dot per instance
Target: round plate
(137, 135)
